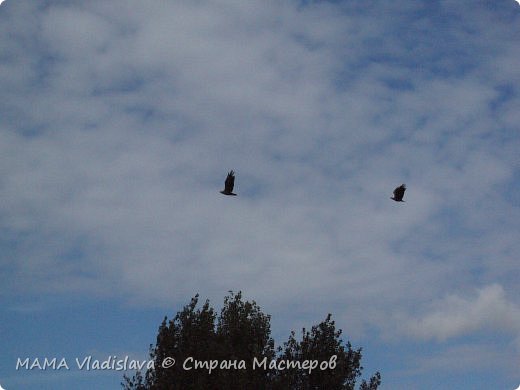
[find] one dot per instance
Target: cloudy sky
(120, 119)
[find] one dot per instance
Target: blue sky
(120, 119)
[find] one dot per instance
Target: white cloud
(458, 316)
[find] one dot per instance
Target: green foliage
(244, 332)
(322, 342)
(241, 333)
(190, 333)
(374, 383)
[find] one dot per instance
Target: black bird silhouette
(399, 193)
(229, 184)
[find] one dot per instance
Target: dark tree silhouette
(244, 333)
(240, 339)
(320, 344)
(190, 333)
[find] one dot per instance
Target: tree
(243, 333)
(319, 345)
(238, 339)
(189, 334)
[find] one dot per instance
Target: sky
(119, 121)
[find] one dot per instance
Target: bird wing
(230, 182)
(399, 192)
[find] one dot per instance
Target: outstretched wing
(230, 182)
(399, 192)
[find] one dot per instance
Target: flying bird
(229, 184)
(399, 193)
